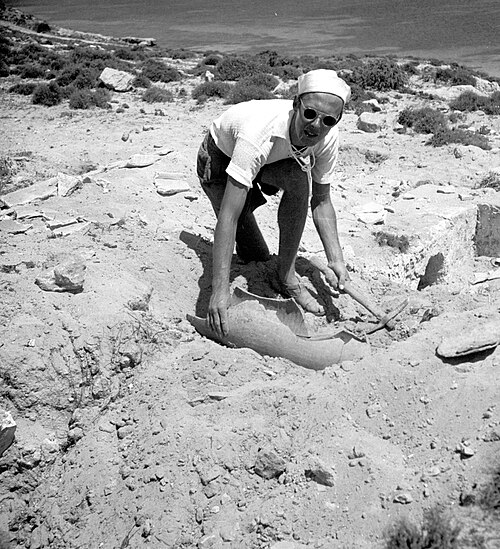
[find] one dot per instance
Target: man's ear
(296, 102)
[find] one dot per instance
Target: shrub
(455, 76)
(236, 68)
(71, 73)
(435, 532)
(157, 71)
(425, 120)
(262, 80)
(380, 74)
(4, 68)
(31, 70)
(23, 88)
(470, 101)
(211, 59)
(444, 136)
(47, 94)
(211, 89)
(157, 95)
(490, 494)
(286, 72)
(80, 99)
(410, 67)
(85, 99)
(492, 181)
(128, 54)
(141, 81)
(242, 92)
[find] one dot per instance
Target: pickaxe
(384, 319)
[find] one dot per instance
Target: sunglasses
(311, 114)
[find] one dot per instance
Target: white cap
(324, 81)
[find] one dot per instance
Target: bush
(23, 88)
(211, 59)
(47, 94)
(286, 72)
(157, 71)
(242, 92)
(157, 95)
(262, 80)
(128, 54)
(31, 70)
(236, 68)
(211, 89)
(141, 81)
(436, 532)
(425, 120)
(71, 73)
(85, 99)
(490, 494)
(380, 74)
(455, 76)
(492, 181)
(445, 136)
(470, 101)
(4, 68)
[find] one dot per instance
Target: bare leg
(292, 215)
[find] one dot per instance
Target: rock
(369, 122)
(11, 226)
(320, 472)
(67, 276)
(146, 42)
(141, 160)
(371, 213)
(485, 86)
(403, 498)
(269, 464)
(209, 76)
(168, 184)
(373, 105)
(68, 184)
(38, 191)
(449, 93)
(288, 545)
(482, 337)
(7, 430)
(125, 136)
(115, 80)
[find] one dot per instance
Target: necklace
(306, 163)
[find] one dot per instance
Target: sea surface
(464, 31)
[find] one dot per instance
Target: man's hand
(217, 313)
(340, 274)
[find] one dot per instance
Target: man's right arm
(225, 234)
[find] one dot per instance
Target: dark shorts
(211, 167)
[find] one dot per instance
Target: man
(260, 147)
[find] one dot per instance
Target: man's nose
(316, 123)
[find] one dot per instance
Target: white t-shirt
(256, 133)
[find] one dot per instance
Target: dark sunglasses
(311, 114)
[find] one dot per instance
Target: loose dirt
(134, 431)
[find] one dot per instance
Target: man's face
(314, 114)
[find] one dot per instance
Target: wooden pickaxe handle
(354, 292)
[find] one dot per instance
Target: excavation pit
(447, 229)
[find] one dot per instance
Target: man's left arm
(325, 221)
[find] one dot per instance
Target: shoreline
(490, 68)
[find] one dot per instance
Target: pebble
(403, 498)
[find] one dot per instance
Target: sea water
(463, 31)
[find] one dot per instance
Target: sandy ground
(135, 431)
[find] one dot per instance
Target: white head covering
(324, 81)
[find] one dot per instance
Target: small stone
(373, 410)
(125, 136)
(320, 472)
(269, 464)
(124, 431)
(403, 497)
(7, 430)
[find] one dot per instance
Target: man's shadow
(260, 277)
